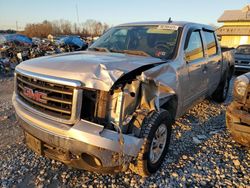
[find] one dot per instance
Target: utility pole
(16, 25)
(77, 17)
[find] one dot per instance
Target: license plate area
(33, 143)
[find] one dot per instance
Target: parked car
(112, 107)
(242, 58)
(238, 112)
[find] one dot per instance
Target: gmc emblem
(36, 96)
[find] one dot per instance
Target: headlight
(240, 86)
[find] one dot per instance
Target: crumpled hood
(94, 69)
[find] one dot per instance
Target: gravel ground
(202, 154)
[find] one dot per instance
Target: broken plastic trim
(130, 76)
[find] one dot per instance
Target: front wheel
(156, 131)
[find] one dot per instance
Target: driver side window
(194, 48)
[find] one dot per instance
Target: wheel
(156, 131)
(221, 92)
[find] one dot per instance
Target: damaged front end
(97, 142)
(102, 132)
(125, 106)
(105, 135)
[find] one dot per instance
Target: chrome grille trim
(52, 79)
(74, 102)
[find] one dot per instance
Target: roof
(234, 30)
(155, 23)
(177, 23)
(236, 15)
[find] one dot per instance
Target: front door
(197, 70)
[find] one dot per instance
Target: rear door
(213, 56)
(197, 71)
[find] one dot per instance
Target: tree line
(90, 28)
(8, 31)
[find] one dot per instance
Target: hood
(97, 70)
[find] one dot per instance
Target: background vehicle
(242, 58)
(112, 107)
(237, 116)
(71, 43)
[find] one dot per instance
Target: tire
(221, 92)
(144, 165)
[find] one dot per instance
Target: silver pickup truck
(111, 107)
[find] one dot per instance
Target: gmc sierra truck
(112, 107)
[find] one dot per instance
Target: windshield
(156, 41)
(243, 50)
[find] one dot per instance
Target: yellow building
(236, 28)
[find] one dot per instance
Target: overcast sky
(113, 12)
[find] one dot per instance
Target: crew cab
(112, 107)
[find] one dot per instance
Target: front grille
(242, 62)
(245, 62)
(49, 98)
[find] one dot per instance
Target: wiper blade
(132, 52)
(99, 49)
(137, 52)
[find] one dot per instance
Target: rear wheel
(221, 92)
(156, 131)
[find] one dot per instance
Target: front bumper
(242, 68)
(238, 123)
(83, 145)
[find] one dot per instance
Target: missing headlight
(94, 106)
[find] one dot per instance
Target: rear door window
(211, 43)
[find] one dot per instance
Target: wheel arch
(170, 104)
